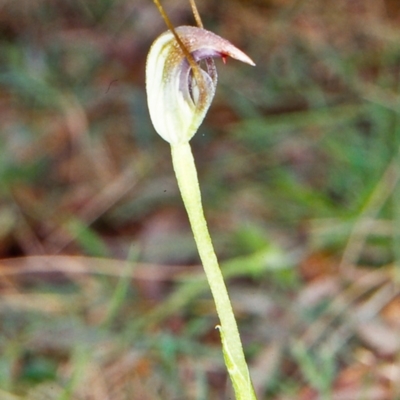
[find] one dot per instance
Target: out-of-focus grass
(101, 295)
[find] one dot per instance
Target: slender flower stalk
(179, 93)
(186, 175)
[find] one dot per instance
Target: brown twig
(195, 67)
(196, 14)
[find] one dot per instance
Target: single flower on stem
(179, 93)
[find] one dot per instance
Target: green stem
(186, 175)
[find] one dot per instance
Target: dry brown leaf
(382, 338)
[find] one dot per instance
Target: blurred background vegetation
(101, 292)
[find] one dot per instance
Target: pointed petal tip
(246, 59)
(240, 56)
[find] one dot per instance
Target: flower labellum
(178, 97)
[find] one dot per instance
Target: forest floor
(102, 295)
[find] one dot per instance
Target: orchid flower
(179, 97)
(179, 93)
